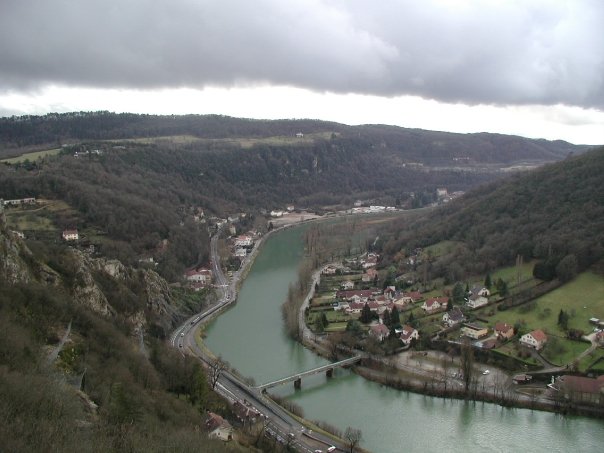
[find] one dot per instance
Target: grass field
(582, 298)
(31, 156)
(566, 352)
(510, 274)
(440, 248)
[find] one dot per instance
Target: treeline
(554, 214)
(412, 145)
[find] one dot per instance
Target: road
(280, 425)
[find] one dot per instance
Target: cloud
(497, 52)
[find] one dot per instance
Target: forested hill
(412, 145)
(553, 214)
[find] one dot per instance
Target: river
(251, 338)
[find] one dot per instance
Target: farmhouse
(535, 339)
(347, 285)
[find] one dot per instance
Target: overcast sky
(527, 67)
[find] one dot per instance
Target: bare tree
(467, 363)
(353, 436)
(215, 368)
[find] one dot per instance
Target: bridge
(297, 378)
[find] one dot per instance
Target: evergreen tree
(487, 281)
(395, 317)
(458, 292)
(387, 319)
(366, 314)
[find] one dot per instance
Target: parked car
(486, 372)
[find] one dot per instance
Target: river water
(251, 338)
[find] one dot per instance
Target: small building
(504, 331)
(199, 275)
(244, 241)
(218, 427)
(453, 317)
(246, 413)
(71, 235)
(535, 339)
(329, 270)
(435, 304)
(276, 213)
(475, 301)
(347, 285)
(241, 252)
(408, 334)
(480, 291)
(474, 331)
(379, 331)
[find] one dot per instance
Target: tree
(199, 390)
(387, 319)
(449, 304)
(566, 269)
(366, 314)
(353, 437)
(458, 292)
(215, 368)
(487, 281)
(395, 318)
(467, 363)
(563, 318)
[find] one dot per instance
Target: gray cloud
(513, 52)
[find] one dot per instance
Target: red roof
(539, 335)
(502, 327)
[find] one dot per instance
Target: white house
(475, 301)
(434, 304)
(240, 252)
(408, 334)
(347, 285)
(71, 235)
(244, 241)
(480, 291)
(218, 427)
(200, 275)
(453, 317)
(535, 339)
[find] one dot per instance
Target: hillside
(554, 214)
(412, 145)
(83, 363)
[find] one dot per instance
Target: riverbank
(430, 373)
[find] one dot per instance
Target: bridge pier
(298, 384)
(329, 372)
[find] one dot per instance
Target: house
(329, 270)
(535, 339)
(441, 192)
(379, 331)
(522, 378)
(371, 261)
(580, 389)
(504, 331)
(453, 317)
(408, 333)
(358, 295)
(218, 427)
(199, 275)
(480, 291)
(474, 331)
(347, 285)
(435, 304)
(275, 213)
(475, 301)
(241, 252)
(390, 292)
(71, 235)
(290, 208)
(299, 135)
(244, 241)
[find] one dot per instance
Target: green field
(440, 248)
(31, 156)
(510, 274)
(582, 298)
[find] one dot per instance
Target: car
(318, 451)
(182, 334)
(332, 448)
(485, 372)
